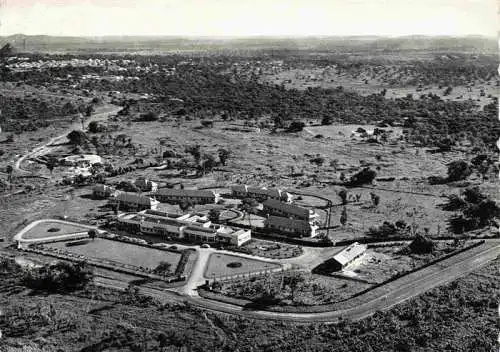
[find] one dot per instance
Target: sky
(249, 17)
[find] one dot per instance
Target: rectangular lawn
(218, 265)
(125, 253)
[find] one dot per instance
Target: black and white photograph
(249, 175)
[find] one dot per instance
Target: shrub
(385, 230)
(327, 120)
(421, 245)
(234, 265)
(296, 126)
(149, 116)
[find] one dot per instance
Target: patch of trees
(363, 177)
(458, 170)
(34, 112)
(58, 277)
(477, 210)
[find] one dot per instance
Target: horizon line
(263, 36)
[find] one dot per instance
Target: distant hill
(44, 43)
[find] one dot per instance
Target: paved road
(381, 298)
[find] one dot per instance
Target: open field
(218, 265)
(121, 252)
(52, 229)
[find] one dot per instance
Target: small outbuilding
(341, 259)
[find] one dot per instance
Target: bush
(421, 245)
(327, 120)
(385, 230)
(149, 116)
(234, 265)
(296, 126)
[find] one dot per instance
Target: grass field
(42, 230)
(217, 265)
(122, 253)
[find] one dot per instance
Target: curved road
(381, 298)
(108, 110)
(366, 304)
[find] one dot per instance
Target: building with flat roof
(176, 196)
(260, 193)
(277, 208)
(193, 227)
(290, 227)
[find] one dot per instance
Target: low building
(260, 193)
(102, 191)
(192, 227)
(277, 208)
(82, 160)
(290, 227)
(146, 185)
(347, 256)
(177, 196)
(133, 201)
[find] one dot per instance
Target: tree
(421, 245)
(163, 268)
(195, 151)
(52, 162)
(92, 234)
(364, 176)
(89, 109)
(207, 163)
(375, 199)
(458, 170)
(327, 120)
(214, 215)
(77, 137)
(185, 205)
(294, 281)
(95, 127)
(224, 155)
(296, 126)
(343, 195)
(9, 170)
(343, 216)
(248, 205)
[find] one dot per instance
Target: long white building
(193, 227)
